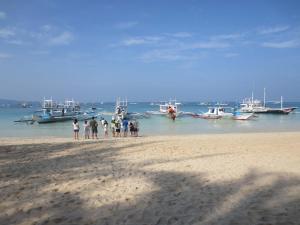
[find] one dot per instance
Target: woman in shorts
(76, 129)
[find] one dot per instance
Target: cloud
(272, 30)
(182, 35)
(15, 42)
(283, 44)
(166, 55)
(142, 40)
(64, 38)
(46, 28)
(233, 36)
(2, 15)
(5, 56)
(231, 55)
(206, 45)
(126, 25)
(6, 33)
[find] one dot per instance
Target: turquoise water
(155, 125)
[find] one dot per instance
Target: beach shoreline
(247, 178)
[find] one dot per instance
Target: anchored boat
(54, 112)
(121, 109)
(255, 106)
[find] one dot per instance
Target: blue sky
(149, 50)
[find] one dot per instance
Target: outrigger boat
(255, 106)
(54, 112)
(218, 112)
(170, 109)
(215, 113)
(121, 109)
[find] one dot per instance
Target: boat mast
(264, 97)
(281, 99)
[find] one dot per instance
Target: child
(131, 128)
(113, 126)
(105, 128)
(86, 128)
(118, 126)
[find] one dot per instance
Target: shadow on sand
(32, 191)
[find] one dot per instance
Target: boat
(256, 106)
(55, 112)
(242, 116)
(216, 112)
(25, 119)
(169, 108)
(26, 105)
(121, 109)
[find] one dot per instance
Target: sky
(149, 50)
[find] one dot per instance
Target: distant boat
(26, 105)
(221, 104)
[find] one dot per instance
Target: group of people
(119, 128)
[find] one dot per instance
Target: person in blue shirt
(125, 127)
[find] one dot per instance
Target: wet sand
(193, 179)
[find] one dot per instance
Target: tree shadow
(174, 197)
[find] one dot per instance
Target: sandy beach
(169, 180)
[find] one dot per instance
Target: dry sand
(202, 179)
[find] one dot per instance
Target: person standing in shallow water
(94, 126)
(76, 129)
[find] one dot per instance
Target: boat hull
(51, 119)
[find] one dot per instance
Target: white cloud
(272, 30)
(6, 33)
(182, 35)
(64, 38)
(15, 42)
(206, 45)
(283, 44)
(227, 36)
(2, 15)
(126, 25)
(141, 40)
(167, 55)
(5, 56)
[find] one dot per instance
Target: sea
(154, 124)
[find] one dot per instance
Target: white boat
(256, 106)
(58, 112)
(170, 109)
(242, 116)
(223, 112)
(216, 113)
(121, 109)
(252, 106)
